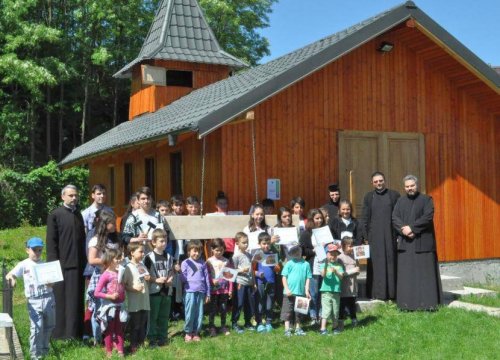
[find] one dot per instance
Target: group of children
(139, 289)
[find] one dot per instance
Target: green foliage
(235, 24)
(30, 197)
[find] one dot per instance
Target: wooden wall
(149, 98)
(190, 148)
(416, 88)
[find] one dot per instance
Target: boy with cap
(332, 272)
(41, 302)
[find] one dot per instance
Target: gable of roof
(180, 32)
(208, 108)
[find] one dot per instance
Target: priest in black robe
(332, 206)
(376, 222)
(66, 243)
(418, 280)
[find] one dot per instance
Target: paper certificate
(361, 252)
(48, 273)
(322, 236)
(253, 240)
(301, 305)
(228, 274)
(269, 259)
(288, 235)
(320, 253)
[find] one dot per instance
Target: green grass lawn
(384, 333)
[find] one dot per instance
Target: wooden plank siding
(149, 98)
(190, 148)
(402, 91)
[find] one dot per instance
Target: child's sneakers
(261, 328)
(238, 330)
(225, 331)
(213, 332)
(337, 331)
(269, 327)
(323, 332)
(354, 322)
(188, 338)
(249, 327)
(299, 332)
(288, 333)
(196, 338)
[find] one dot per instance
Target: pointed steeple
(180, 32)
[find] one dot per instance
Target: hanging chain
(202, 175)
(254, 163)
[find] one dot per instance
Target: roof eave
(83, 159)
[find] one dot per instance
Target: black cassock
(419, 283)
(376, 223)
(66, 243)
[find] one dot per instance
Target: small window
(111, 191)
(149, 174)
(176, 173)
(180, 78)
(128, 185)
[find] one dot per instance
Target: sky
(296, 23)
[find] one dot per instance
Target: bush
(30, 197)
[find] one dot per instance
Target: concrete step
(450, 282)
(493, 311)
(473, 291)
(363, 305)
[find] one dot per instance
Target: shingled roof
(208, 108)
(180, 32)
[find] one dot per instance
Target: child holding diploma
(265, 277)
(135, 279)
(112, 294)
(349, 283)
(196, 280)
(41, 302)
(220, 289)
(244, 289)
(296, 276)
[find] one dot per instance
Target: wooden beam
(210, 227)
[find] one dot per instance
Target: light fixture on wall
(172, 139)
(385, 47)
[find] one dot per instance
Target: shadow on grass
(367, 320)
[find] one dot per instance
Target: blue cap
(34, 242)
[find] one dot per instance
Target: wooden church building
(395, 93)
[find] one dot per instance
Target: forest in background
(57, 91)
(58, 57)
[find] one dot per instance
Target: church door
(363, 152)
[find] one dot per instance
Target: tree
(235, 24)
(25, 70)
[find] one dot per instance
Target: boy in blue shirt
(295, 276)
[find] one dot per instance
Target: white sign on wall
(273, 189)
